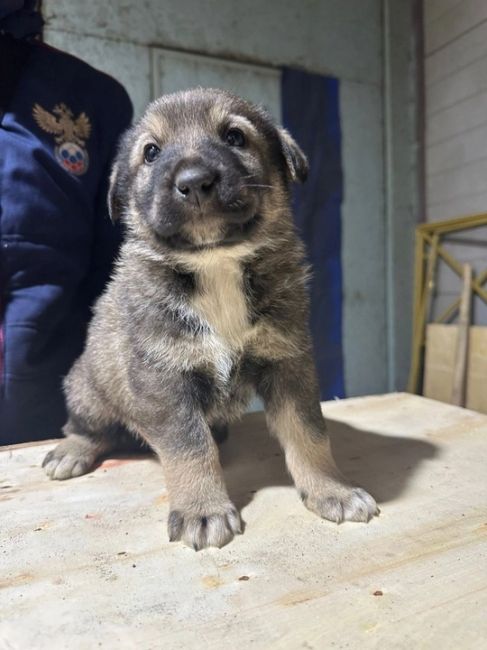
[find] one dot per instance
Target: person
(60, 121)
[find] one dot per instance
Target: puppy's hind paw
(201, 531)
(70, 458)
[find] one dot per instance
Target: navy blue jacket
(58, 135)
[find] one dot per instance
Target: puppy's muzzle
(196, 185)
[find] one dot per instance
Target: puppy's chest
(220, 302)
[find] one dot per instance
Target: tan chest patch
(220, 301)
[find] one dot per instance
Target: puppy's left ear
(296, 161)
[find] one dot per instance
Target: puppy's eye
(151, 151)
(235, 138)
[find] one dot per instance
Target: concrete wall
(344, 38)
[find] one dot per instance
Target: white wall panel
(363, 235)
(457, 119)
(457, 151)
(172, 71)
(458, 183)
(467, 82)
(126, 62)
(458, 54)
(328, 36)
(450, 25)
(456, 131)
(457, 207)
(434, 9)
(456, 110)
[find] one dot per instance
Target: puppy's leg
(201, 513)
(290, 392)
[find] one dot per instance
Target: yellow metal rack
(428, 249)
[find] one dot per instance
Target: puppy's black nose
(195, 183)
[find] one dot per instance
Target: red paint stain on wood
(162, 498)
(115, 462)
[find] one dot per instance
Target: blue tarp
(310, 110)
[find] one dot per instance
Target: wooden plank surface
(86, 563)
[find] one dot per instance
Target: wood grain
(86, 563)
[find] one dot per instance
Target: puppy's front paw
(72, 457)
(337, 502)
(202, 530)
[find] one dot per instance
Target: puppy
(207, 305)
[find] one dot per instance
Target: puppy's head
(203, 169)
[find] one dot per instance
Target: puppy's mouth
(234, 233)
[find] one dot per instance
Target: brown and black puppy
(207, 304)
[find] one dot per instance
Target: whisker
(258, 185)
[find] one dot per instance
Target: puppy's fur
(207, 304)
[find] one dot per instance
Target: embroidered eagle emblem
(62, 125)
(70, 135)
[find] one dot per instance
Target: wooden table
(86, 563)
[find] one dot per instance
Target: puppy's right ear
(115, 196)
(119, 179)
